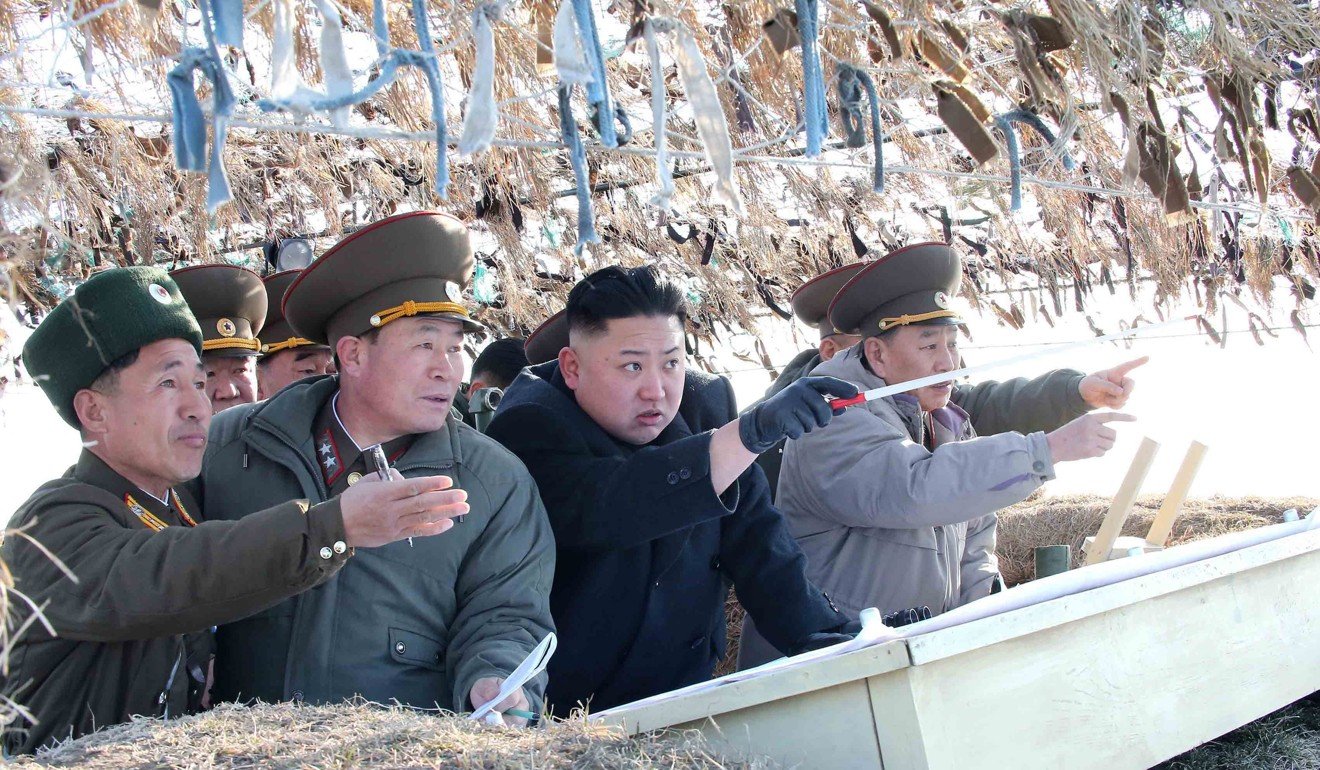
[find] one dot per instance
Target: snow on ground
(1247, 402)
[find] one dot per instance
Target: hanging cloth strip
(229, 22)
(577, 156)
(483, 112)
(707, 112)
(813, 84)
(598, 90)
(852, 81)
(573, 68)
(1005, 124)
(189, 121)
(391, 60)
(287, 86)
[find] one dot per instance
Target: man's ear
(827, 348)
(477, 385)
(92, 411)
(875, 355)
(352, 353)
(570, 367)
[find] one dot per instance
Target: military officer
(437, 623)
(129, 574)
(1024, 405)
(894, 501)
(229, 303)
(286, 357)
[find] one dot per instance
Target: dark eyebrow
(643, 352)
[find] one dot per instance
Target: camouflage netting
(1189, 131)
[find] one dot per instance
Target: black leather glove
(793, 411)
(839, 634)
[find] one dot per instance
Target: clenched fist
(1087, 436)
(382, 512)
(485, 690)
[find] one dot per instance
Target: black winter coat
(646, 549)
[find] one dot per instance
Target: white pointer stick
(839, 404)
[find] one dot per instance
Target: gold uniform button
(340, 546)
(326, 553)
(354, 478)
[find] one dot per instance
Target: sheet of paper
(533, 664)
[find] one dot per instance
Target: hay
(1070, 519)
(354, 735)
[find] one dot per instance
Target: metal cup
(1052, 559)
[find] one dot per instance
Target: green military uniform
(131, 632)
(418, 623)
(230, 306)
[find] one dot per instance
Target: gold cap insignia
(226, 327)
(941, 300)
(453, 291)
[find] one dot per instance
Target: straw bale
(366, 735)
(1068, 520)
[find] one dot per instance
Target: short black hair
(500, 362)
(622, 292)
(108, 380)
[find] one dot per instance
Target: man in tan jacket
(894, 502)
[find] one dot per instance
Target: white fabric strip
(659, 114)
(483, 113)
(570, 61)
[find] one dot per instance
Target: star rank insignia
(328, 455)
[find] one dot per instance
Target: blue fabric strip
(189, 122)
(229, 22)
(813, 84)
(1005, 124)
(577, 155)
(851, 82)
(598, 90)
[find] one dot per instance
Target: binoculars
(482, 405)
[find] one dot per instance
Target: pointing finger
(1122, 369)
(1115, 417)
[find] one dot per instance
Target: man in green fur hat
(128, 574)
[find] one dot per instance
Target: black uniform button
(672, 478)
(297, 696)
(1038, 466)
(685, 474)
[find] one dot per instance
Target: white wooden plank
(1038, 617)
(775, 685)
(832, 728)
(1182, 483)
(1119, 509)
(1133, 686)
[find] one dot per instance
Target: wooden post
(1163, 524)
(1122, 504)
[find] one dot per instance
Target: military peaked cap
(277, 334)
(549, 338)
(230, 305)
(912, 285)
(811, 302)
